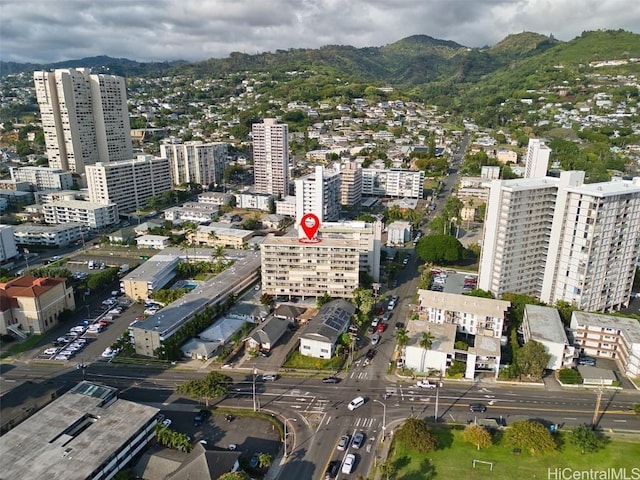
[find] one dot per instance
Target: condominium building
(84, 117)
(95, 216)
(43, 178)
(49, 235)
(7, 243)
(558, 239)
(394, 182)
(605, 336)
(596, 245)
(129, 183)
(319, 193)
(271, 157)
(537, 159)
(292, 268)
(31, 305)
(192, 212)
(472, 315)
(368, 236)
(196, 162)
(516, 235)
(350, 184)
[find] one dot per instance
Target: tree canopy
(215, 384)
(586, 439)
(478, 436)
(532, 359)
(415, 434)
(532, 436)
(440, 249)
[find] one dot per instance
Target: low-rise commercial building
(87, 433)
(152, 275)
(32, 305)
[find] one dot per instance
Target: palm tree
(265, 460)
(425, 342)
(402, 337)
(213, 236)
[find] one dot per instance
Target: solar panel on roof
(337, 319)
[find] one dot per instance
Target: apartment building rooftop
(463, 303)
(545, 323)
(74, 435)
(153, 267)
(605, 189)
(630, 326)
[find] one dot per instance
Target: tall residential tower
(271, 157)
(84, 117)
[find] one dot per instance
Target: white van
(355, 403)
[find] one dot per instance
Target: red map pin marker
(310, 224)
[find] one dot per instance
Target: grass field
(454, 460)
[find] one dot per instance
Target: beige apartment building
(294, 268)
(31, 305)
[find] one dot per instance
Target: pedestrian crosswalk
(363, 423)
(360, 375)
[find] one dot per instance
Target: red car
(382, 327)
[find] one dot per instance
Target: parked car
(375, 339)
(425, 384)
(200, 417)
(587, 361)
(382, 327)
(343, 442)
(166, 422)
(255, 460)
(370, 353)
(358, 440)
(349, 461)
(332, 470)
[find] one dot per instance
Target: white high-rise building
(351, 184)
(129, 184)
(559, 239)
(84, 117)
(318, 193)
(196, 162)
(537, 159)
(394, 182)
(271, 157)
(594, 245)
(8, 247)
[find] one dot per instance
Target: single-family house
(321, 335)
(267, 334)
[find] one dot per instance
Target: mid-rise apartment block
(271, 157)
(84, 117)
(196, 162)
(49, 235)
(537, 160)
(94, 216)
(559, 239)
(43, 178)
(319, 193)
(130, 183)
(393, 182)
(605, 336)
(296, 269)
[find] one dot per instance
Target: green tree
(266, 300)
(323, 300)
(364, 301)
(265, 460)
(426, 340)
(532, 359)
(214, 384)
(239, 475)
(586, 439)
(389, 469)
(402, 337)
(414, 434)
(478, 436)
(532, 436)
(440, 249)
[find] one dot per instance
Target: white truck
(425, 384)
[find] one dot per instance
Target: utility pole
(596, 412)
(255, 405)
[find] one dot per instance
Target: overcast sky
(43, 31)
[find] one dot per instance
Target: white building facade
(196, 162)
(84, 117)
(396, 183)
(543, 324)
(318, 193)
(271, 157)
(8, 247)
(49, 235)
(94, 216)
(398, 233)
(43, 178)
(537, 160)
(130, 183)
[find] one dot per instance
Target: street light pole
(384, 414)
(255, 371)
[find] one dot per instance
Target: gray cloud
(146, 30)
